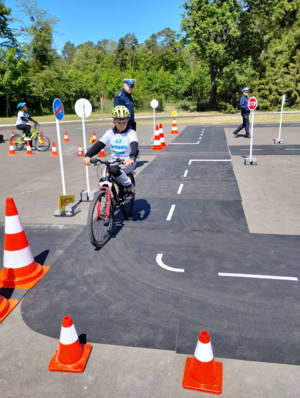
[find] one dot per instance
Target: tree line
(223, 46)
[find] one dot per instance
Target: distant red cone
(201, 372)
(29, 151)
(11, 149)
(94, 138)
(80, 151)
(66, 137)
(54, 151)
(162, 137)
(157, 144)
(174, 127)
(42, 138)
(70, 356)
(102, 154)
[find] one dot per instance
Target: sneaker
(129, 192)
(27, 139)
(234, 133)
(248, 136)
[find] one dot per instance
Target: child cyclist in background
(123, 142)
(24, 120)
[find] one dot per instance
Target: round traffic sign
(154, 103)
(83, 107)
(252, 103)
(58, 109)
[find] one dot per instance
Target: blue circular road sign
(58, 109)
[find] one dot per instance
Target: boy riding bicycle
(123, 142)
(24, 120)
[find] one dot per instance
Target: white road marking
(252, 149)
(209, 160)
(283, 278)
(184, 143)
(171, 212)
(161, 264)
(292, 149)
(180, 189)
(185, 173)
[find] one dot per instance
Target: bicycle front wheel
(99, 224)
(18, 146)
(41, 142)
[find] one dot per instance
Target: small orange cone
(42, 138)
(80, 151)
(102, 154)
(29, 151)
(201, 372)
(20, 271)
(70, 356)
(162, 137)
(174, 127)
(66, 137)
(54, 151)
(6, 306)
(94, 138)
(11, 149)
(12, 134)
(157, 144)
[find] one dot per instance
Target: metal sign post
(83, 109)
(154, 104)
(252, 104)
(279, 140)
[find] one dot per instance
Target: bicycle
(40, 142)
(105, 202)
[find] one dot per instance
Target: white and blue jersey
(119, 143)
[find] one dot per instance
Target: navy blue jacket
(244, 105)
(123, 98)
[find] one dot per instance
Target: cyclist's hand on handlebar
(128, 162)
(87, 161)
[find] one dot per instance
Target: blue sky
(94, 20)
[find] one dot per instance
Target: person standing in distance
(244, 112)
(124, 98)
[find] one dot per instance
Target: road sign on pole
(154, 105)
(58, 110)
(279, 140)
(252, 104)
(83, 109)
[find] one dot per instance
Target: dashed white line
(185, 173)
(184, 143)
(171, 212)
(180, 189)
(252, 149)
(161, 264)
(209, 160)
(283, 278)
(292, 149)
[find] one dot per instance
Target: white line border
(209, 160)
(283, 278)
(171, 213)
(162, 265)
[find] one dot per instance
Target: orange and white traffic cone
(12, 133)
(28, 150)
(102, 154)
(6, 306)
(174, 127)
(11, 149)
(66, 137)
(54, 151)
(20, 271)
(42, 138)
(201, 372)
(157, 144)
(94, 138)
(162, 137)
(70, 356)
(80, 151)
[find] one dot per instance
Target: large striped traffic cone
(80, 151)
(70, 356)
(201, 372)
(102, 154)
(20, 271)
(162, 137)
(28, 150)
(11, 149)
(6, 306)
(157, 144)
(54, 151)
(66, 137)
(174, 127)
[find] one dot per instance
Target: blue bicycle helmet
(20, 105)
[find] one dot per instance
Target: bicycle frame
(31, 136)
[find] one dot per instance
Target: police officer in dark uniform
(244, 112)
(124, 98)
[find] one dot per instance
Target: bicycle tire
(128, 207)
(42, 147)
(17, 146)
(99, 230)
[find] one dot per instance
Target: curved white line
(161, 264)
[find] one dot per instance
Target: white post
(85, 150)
(153, 124)
(60, 158)
(280, 120)
(251, 143)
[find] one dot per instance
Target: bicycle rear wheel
(18, 146)
(127, 206)
(41, 146)
(99, 225)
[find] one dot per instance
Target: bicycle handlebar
(107, 163)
